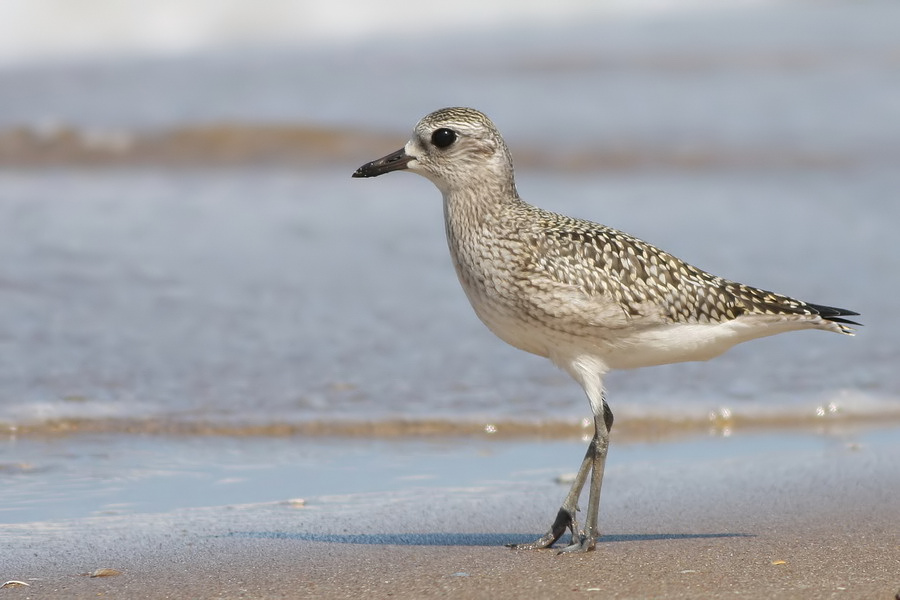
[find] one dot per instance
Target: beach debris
(105, 573)
(778, 562)
(460, 574)
(489, 428)
(565, 478)
(14, 583)
(689, 571)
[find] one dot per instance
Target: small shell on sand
(105, 572)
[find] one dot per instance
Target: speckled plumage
(641, 278)
(588, 297)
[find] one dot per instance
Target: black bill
(392, 162)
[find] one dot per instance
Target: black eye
(443, 137)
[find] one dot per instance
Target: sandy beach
(790, 515)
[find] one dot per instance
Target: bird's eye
(443, 137)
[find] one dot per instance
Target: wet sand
(818, 563)
(816, 519)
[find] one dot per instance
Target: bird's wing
(648, 283)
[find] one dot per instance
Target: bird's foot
(565, 520)
(580, 543)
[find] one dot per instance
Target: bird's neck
(473, 207)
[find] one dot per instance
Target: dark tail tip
(834, 314)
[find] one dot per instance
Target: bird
(588, 297)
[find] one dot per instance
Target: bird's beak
(394, 161)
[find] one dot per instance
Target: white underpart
(588, 371)
(679, 342)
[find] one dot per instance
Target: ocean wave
(843, 410)
(228, 144)
(219, 144)
(42, 29)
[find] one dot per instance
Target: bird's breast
(495, 273)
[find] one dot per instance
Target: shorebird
(586, 296)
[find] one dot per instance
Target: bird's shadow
(463, 539)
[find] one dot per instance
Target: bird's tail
(835, 315)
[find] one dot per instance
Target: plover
(586, 296)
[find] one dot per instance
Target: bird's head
(456, 148)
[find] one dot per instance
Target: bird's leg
(600, 444)
(565, 518)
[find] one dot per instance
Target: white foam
(46, 29)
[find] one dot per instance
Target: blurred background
(183, 250)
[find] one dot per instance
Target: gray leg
(594, 461)
(588, 538)
(565, 518)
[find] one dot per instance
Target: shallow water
(758, 143)
(270, 297)
(114, 475)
